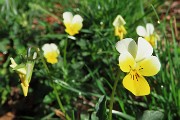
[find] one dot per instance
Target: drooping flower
(137, 61)
(119, 27)
(51, 53)
(25, 73)
(72, 23)
(148, 33)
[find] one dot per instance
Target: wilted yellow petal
(136, 84)
(126, 62)
(20, 70)
(149, 66)
(25, 89)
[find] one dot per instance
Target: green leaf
(152, 115)
(101, 108)
(49, 98)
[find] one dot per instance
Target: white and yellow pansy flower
(119, 23)
(51, 52)
(148, 33)
(72, 23)
(137, 61)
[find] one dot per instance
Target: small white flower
(51, 52)
(72, 23)
(148, 33)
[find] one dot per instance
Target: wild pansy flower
(137, 61)
(119, 26)
(25, 72)
(51, 53)
(148, 33)
(72, 23)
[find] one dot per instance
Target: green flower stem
(54, 87)
(112, 99)
(65, 70)
(65, 49)
(60, 103)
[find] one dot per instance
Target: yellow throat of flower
(73, 29)
(51, 57)
(120, 31)
(151, 39)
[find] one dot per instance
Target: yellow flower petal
(25, 89)
(120, 31)
(126, 62)
(20, 70)
(51, 57)
(144, 49)
(73, 28)
(149, 66)
(138, 86)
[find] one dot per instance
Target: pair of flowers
(73, 25)
(146, 32)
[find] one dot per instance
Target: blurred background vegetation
(92, 60)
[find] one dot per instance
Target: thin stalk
(60, 103)
(54, 87)
(112, 99)
(65, 49)
(156, 13)
(65, 70)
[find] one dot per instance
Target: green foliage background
(91, 67)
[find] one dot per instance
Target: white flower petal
(149, 66)
(149, 29)
(119, 21)
(67, 16)
(46, 47)
(144, 49)
(127, 45)
(50, 47)
(141, 31)
(54, 47)
(77, 19)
